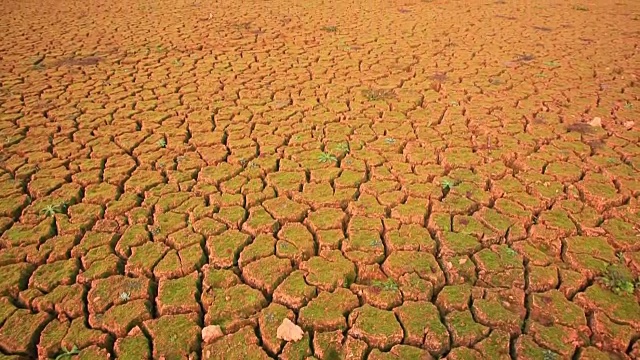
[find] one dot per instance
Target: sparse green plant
(326, 157)
(628, 105)
(330, 28)
(581, 8)
(387, 285)
(618, 282)
(270, 317)
(377, 94)
(160, 49)
(390, 141)
(540, 75)
(51, 210)
(177, 63)
(552, 63)
(511, 252)
(620, 256)
(549, 355)
(66, 353)
(375, 242)
(162, 143)
(125, 296)
(343, 147)
(447, 184)
(454, 103)
(156, 230)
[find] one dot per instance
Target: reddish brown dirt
(401, 179)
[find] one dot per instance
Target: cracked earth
(400, 179)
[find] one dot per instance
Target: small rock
(596, 122)
(288, 331)
(629, 125)
(211, 333)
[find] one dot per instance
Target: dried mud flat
(401, 179)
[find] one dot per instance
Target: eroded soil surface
(401, 179)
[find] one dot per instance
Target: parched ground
(401, 179)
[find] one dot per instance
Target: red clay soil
(401, 179)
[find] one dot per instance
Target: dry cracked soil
(400, 179)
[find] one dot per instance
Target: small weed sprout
(390, 141)
(388, 285)
(375, 242)
(552, 63)
(326, 157)
(377, 94)
(50, 210)
(125, 296)
(618, 282)
(628, 105)
(549, 355)
(447, 184)
(581, 8)
(66, 353)
(162, 143)
(270, 317)
(343, 147)
(511, 252)
(330, 28)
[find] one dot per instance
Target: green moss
(134, 235)
(125, 203)
(48, 276)
(81, 336)
(460, 243)
(122, 318)
(295, 286)
(174, 336)
(237, 302)
(558, 218)
(52, 336)
(192, 258)
(14, 278)
(93, 240)
(224, 249)
(219, 278)
(463, 326)
(146, 256)
(329, 270)
(176, 292)
(169, 265)
(6, 309)
(22, 235)
(418, 318)
(327, 311)
(232, 214)
(262, 246)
